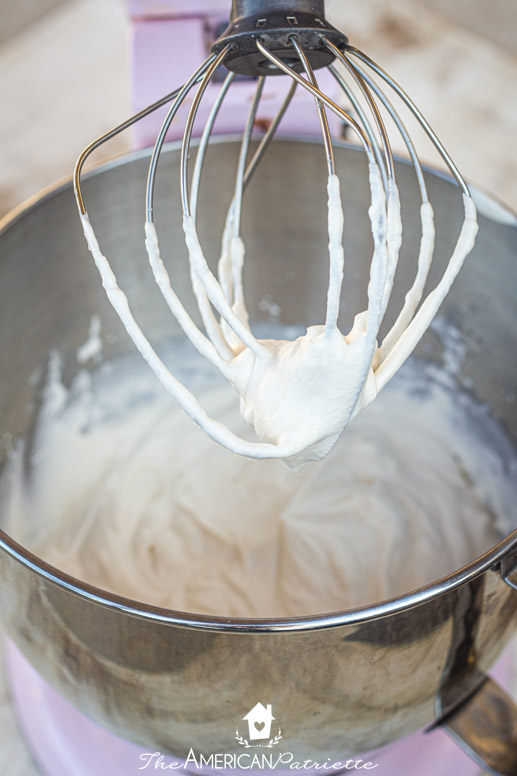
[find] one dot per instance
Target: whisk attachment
(298, 395)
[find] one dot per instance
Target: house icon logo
(259, 720)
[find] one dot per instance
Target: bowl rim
(493, 559)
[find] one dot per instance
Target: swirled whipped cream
(119, 489)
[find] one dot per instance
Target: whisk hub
(274, 22)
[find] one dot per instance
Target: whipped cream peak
(315, 371)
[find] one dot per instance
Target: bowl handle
(509, 571)
(485, 726)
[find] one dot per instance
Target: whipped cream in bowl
(133, 498)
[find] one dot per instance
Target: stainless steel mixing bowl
(346, 682)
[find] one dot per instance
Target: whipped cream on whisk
(297, 395)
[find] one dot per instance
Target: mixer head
(269, 38)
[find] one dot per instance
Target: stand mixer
(195, 636)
